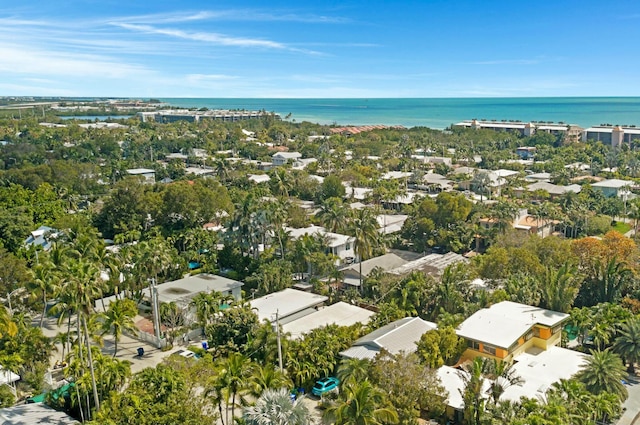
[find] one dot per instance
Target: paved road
(631, 416)
(127, 347)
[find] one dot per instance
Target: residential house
(351, 274)
(613, 187)
(539, 177)
(434, 183)
(525, 336)
(507, 329)
(259, 178)
(432, 264)
(526, 152)
(282, 158)
(148, 174)
(302, 163)
(288, 304)
(553, 190)
(337, 244)
(340, 313)
(397, 337)
(390, 223)
(42, 237)
(541, 226)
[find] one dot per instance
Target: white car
(186, 353)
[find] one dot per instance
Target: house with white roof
(259, 178)
(525, 336)
(554, 190)
(396, 337)
(337, 244)
(507, 329)
(434, 264)
(282, 158)
(148, 174)
(390, 223)
(289, 304)
(340, 313)
(613, 187)
(302, 163)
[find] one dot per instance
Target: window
(489, 349)
(528, 336)
(536, 332)
(348, 246)
(556, 329)
(473, 344)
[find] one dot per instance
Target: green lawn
(621, 227)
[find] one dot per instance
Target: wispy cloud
(208, 37)
(214, 38)
(507, 62)
(234, 15)
(20, 59)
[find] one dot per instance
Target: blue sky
(320, 48)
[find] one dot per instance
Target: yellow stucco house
(507, 329)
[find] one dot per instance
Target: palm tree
(274, 407)
(559, 287)
(118, 319)
(473, 393)
(364, 229)
(503, 376)
(361, 404)
(604, 372)
(233, 375)
(45, 280)
(334, 215)
(627, 345)
(267, 377)
(7, 326)
(610, 281)
(353, 370)
(206, 305)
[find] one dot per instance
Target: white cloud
(208, 37)
(17, 59)
(232, 15)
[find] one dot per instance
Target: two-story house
(282, 158)
(507, 329)
(337, 244)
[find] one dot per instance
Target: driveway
(631, 415)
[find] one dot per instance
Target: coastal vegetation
(109, 234)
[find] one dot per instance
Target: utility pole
(154, 307)
(279, 343)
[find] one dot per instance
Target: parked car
(325, 385)
(186, 353)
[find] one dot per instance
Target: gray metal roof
(396, 337)
(385, 262)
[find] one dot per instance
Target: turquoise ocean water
(437, 113)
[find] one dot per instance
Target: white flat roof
(286, 302)
(538, 369)
(613, 183)
(502, 324)
(259, 178)
(340, 313)
(186, 288)
(135, 171)
(333, 239)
